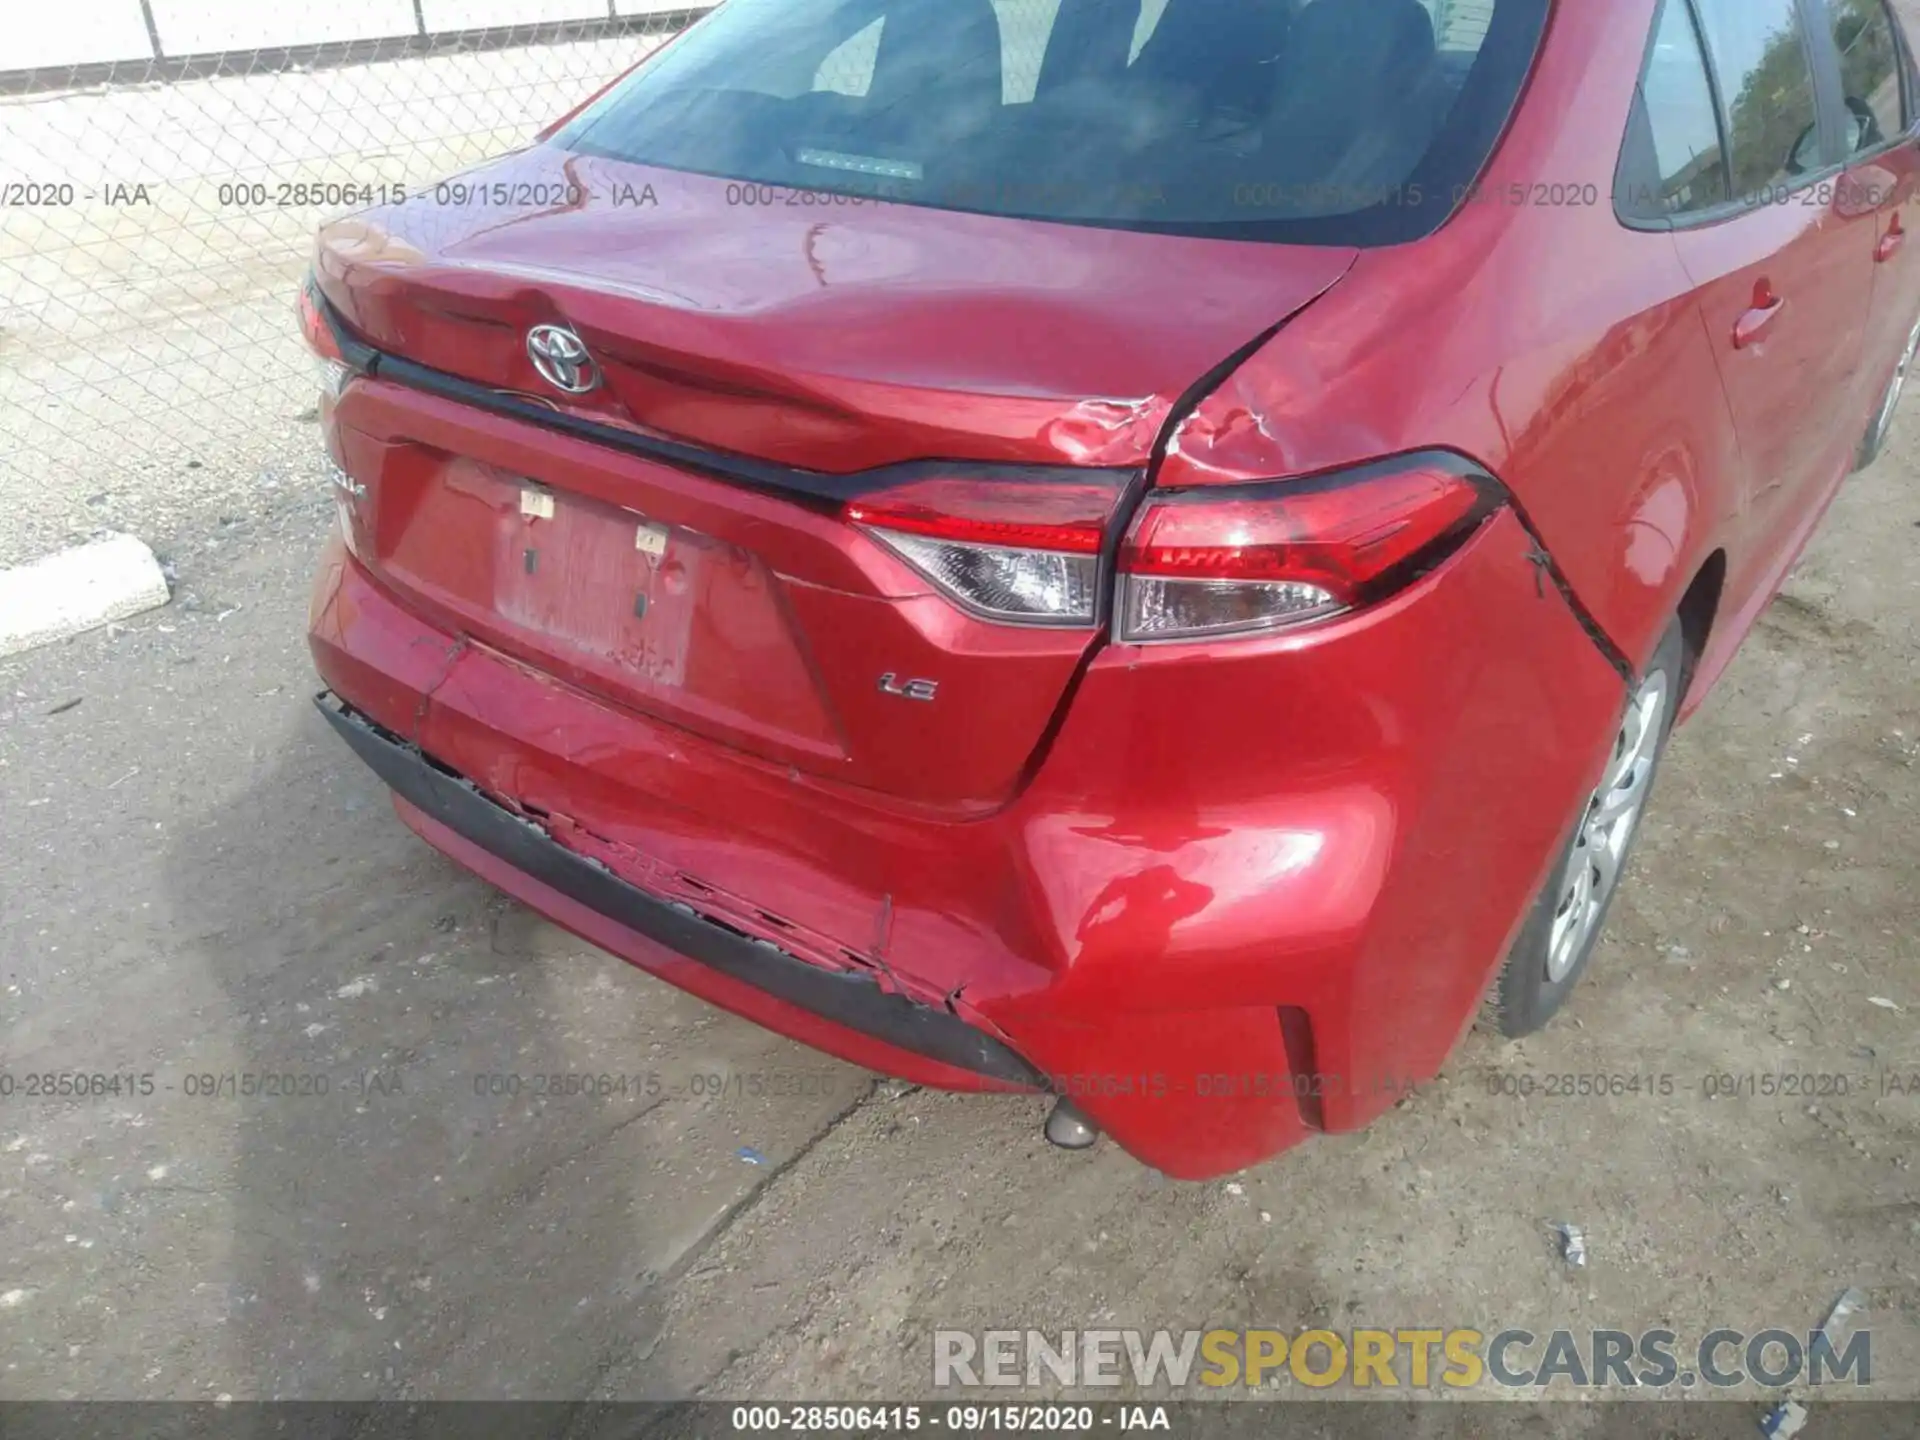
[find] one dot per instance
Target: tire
(1558, 941)
(1875, 440)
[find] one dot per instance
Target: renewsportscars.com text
(1416, 1359)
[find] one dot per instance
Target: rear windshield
(1348, 122)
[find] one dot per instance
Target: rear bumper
(1252, 890)
(848, 999)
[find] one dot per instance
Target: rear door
(1784, 275)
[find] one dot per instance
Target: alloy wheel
(1894, 391)
(1606, 830)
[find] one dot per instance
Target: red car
(1147, 551)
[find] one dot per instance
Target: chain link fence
(157, 213)
(165, 163)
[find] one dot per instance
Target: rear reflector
(1025, 551)
(1229, 560)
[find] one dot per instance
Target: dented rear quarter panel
(1591, 390)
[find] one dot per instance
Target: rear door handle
(1752, 327)
(1891, 242)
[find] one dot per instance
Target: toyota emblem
(561, 358)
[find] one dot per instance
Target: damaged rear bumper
(844, 998)
(1253, 890)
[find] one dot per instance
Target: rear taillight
(325, 345)
(1212, 561)
(1230, 560)
(319, 334)
(1019, 550)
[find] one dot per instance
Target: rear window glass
(1766, 84)
(1309, 121)
(1869, 72)
(1673, 162)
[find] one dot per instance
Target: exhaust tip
(1069, 1129)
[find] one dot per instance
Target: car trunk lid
(675, 539)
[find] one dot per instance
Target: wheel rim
(1892, 402)
(1612, 814)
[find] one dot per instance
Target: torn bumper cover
(845, 998)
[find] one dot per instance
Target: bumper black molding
(851, 1000)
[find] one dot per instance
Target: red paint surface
(1125, 861)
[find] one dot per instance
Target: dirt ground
(197, 879)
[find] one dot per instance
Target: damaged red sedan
(1146, 550)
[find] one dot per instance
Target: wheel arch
(1698, 609)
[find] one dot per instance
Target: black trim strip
(851, 1000)
(760, 474)
(823, 488)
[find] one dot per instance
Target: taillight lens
(1020, 550)
(325, 345)
(334, 375)
(1230, 560)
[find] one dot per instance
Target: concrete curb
(77, 590)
